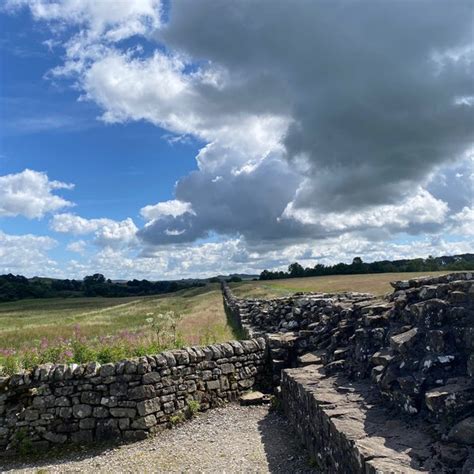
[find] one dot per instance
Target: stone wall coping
(171, 358)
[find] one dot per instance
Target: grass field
(43, 325)
(107, 329)
(26, 320)
(377, 283)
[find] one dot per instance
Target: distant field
(26, 321)
(376, 283)
(108, 329)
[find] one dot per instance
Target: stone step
(254, 398)
(310, 358)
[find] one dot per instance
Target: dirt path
(232, 439)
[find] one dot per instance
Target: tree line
(15, 287)
(455, 262)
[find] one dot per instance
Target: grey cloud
(248, 204)
(357, 103)
(373, 112)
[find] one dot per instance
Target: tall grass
(161, 334)
(34, 332)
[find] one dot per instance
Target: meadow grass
(83, 329)
(109, 329)
(375, 283)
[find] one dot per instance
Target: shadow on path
(283, 449)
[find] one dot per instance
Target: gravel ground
(231, 439)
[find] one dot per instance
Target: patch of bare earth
(231, 439)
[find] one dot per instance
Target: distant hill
(242, 276)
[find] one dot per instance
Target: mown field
(79, 329)
(376, 283)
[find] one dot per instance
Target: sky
(160, 139)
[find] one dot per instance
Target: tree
(296, 270)
(234, 279)
(94, 279)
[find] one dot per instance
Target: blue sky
(45, 127)
(168, 140)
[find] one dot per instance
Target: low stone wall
(127, 400)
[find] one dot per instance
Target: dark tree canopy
(455, 262)
(15, 287)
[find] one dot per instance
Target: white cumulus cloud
(30, 194)
(173, 208)
(26, 254)
(114, 19)
(78, 246)
(107, 232)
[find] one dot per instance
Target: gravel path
(231, 439)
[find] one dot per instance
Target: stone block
(82, 437)
(87, 423)
(463, 432)
(91, 398)
(384, 357)
(81, 411)
(246, 383)
(134, 435)
(224, 383)
(142, 392)
(123, 423)
(107, 430)
(55, 438)
(123, 412)
(144, 423)
(118, 389)
(253, 398)
(147, 407)
(151, 378)
(100, 412)
(227, 368)
(107, 370)
(213, 385)
(405, 341)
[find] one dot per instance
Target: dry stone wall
(123, 401)
(292, 324)
(414, 346)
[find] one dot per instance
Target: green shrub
(176, 419)
(193, 406)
